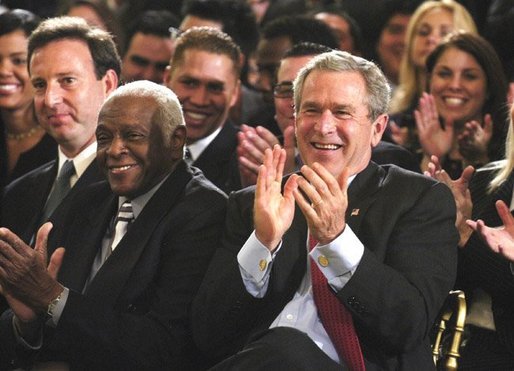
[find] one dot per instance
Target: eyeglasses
(283, 90)
(175, 32)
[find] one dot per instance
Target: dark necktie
(336, 319)
(188, 156)
(123, 219)
(60, 189)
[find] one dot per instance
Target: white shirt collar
(199, 146)
(140, 201)
(80, 162)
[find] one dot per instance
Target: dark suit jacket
(406, 223)
(24, 199)
(135, 312)
(218, 161)
(389, 153)
(479, 267)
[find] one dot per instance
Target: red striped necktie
(336, 319)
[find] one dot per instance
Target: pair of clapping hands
(438, 140)
(253, 141)
(499, 240)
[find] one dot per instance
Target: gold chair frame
(453, 313)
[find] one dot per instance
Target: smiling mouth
(195, 116)
(8, 88)
(326, 147)
(120, 169)
(454, 101)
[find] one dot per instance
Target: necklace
(21, 136)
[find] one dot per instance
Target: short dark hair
(100, 43)
(18, 19)
(210, 40)
(236, 17)
(154, 22)
(306, 48)
(300, 28)
(106, 15)
(354, 28)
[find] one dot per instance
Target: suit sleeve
(396, 292)
(159, 336)
(150, 329)
(224, 313)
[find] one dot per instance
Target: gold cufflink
(262, 264)
(323, 261)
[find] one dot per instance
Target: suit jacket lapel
(362, 193)
(79, 259)
(111, 278)
(218, 150)
(292, 256)
(37, 202)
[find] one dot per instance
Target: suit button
(131, 308)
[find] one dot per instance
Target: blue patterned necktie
(60, 190)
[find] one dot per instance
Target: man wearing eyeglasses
(253, 141)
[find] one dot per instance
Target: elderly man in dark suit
(137, 248)
(355, 273)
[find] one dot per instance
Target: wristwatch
(51, 307)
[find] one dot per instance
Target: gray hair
(377, 87)
(169, 111)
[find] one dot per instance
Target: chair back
(450, 327)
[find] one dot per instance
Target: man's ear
(378, 128)
(178, 141)
(235, 96)
(167, 75)
(110, 81)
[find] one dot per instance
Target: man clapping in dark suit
(137, 248)
(68, 95)
(67, 98)
(354, 274)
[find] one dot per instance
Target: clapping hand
(250, 150)
(28, 284)
(499, 240)
(273, 210)
(435, 139)
(474, 140)
(461, 194)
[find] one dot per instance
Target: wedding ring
(314, 204)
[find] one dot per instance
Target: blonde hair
(508, 164)
(411, 77)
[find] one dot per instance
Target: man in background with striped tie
(137, 247)
(344, 265)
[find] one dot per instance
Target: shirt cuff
(255, 262)
(58, 309)
(339, 259)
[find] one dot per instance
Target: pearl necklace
(21, 136)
